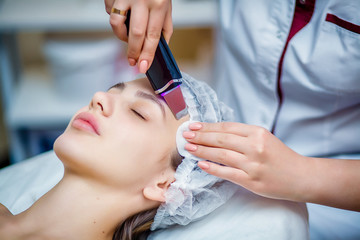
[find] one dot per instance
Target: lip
(86, 121)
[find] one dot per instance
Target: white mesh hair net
(195, 193)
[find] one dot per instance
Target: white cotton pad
(181, 141)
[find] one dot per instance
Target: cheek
(136, 154)
(131, 146)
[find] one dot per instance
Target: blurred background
(54, 55)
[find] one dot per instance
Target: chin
(62, 148)
(72, 151)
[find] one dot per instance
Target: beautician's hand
(257, 160)
(149, 18)
(254, 158)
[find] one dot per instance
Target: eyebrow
(151, 97)
(121, 86)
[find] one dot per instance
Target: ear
(155, 190)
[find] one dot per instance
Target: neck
(75, 209)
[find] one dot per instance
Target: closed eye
(138, 114)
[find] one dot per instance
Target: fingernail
(132, 61)
(190, 147)
(204, 165)
(188, 135)
(195, 126)
(143, 67)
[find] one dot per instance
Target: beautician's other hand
(257, 160)
(254, 158)
(149, 18)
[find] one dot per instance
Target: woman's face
(125, 137)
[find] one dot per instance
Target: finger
(108, 5)
(153, 33)
(225, 127)
(218, 140)
(117, 21)
(167, 30)
(236, 176)
(218, 155)
(137, 31)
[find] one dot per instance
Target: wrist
(305, 182)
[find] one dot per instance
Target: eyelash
(138, 114)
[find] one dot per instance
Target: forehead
(142, 83)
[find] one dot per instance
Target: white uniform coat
(319, 110)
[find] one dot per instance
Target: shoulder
(4, 211)
(6, 218)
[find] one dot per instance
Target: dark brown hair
(137, 227)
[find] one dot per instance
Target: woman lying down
(127, 174)
(123, 174)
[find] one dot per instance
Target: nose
(101, 102)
